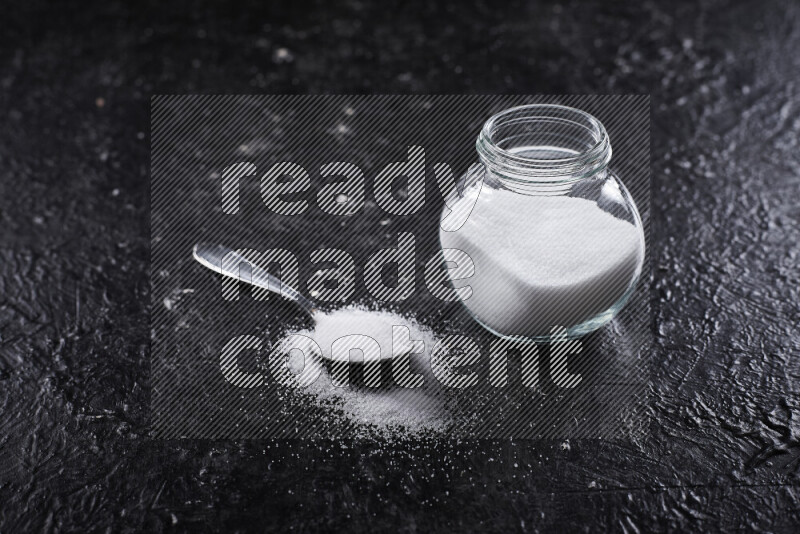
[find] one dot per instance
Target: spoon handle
(211, 256)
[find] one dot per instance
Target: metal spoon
(211, 256)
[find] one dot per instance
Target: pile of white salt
(385, 409)
(364, 323)
(543, 261)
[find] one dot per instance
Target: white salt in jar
(555, 237)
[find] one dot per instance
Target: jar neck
(543, 148)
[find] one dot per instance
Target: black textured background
(724, 451)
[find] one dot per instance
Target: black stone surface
(724, 450)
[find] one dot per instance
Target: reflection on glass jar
(555, 237)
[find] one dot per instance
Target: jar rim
(522, 168)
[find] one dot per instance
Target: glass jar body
(548, 254)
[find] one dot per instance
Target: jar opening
(544, 143)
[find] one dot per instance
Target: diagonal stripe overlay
(306, 175)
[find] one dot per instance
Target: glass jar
(554, 236)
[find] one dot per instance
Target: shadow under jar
(555, 237)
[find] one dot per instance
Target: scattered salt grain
(385, 410)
